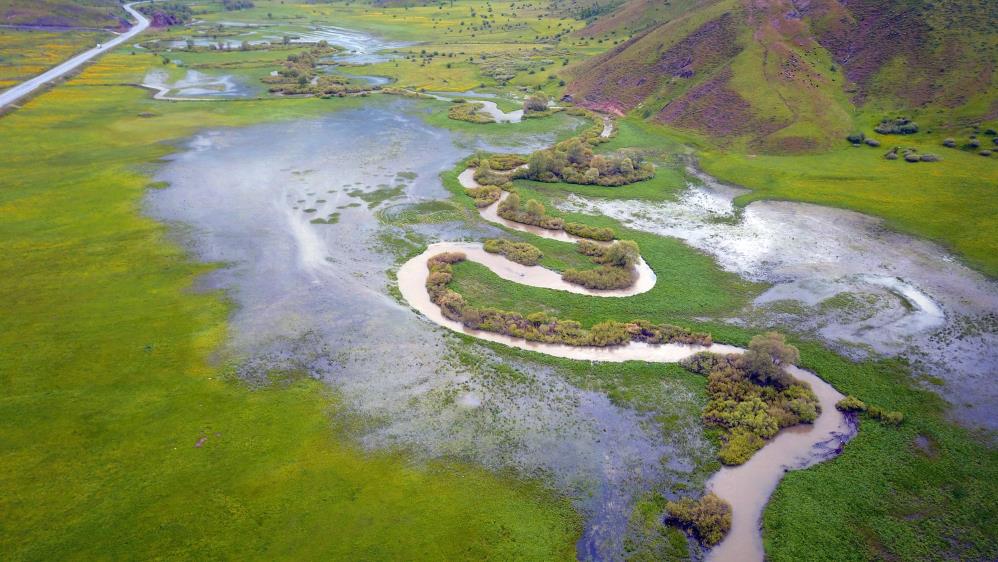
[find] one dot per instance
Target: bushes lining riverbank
(539, 326)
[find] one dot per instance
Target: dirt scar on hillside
(844, 278)
(314, 297)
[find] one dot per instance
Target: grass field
(28, 53)
(108, 385)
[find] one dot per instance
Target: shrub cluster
(232, 5)
(853, 404)
(463, 111)
(896, 126)
(485, 174)
(751, 396)
(709, 518)
(485, 195)
(519, 252)
(910, 155)
(573, 161)
(537, 102)
(534, 213)
(601, 233)
(168, 14)
(602, 278)
(539, 326)
(616, 265)
(502, 162)
(298, 76)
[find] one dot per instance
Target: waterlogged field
(206, 346)
(101, 302)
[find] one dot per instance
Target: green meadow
(123, 438)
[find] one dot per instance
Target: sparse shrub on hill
(985, 152)
(896, 126)
(928, 158)
(872, 142)
(949, 143)
(709, 518)
(856, 138)
(892, 154)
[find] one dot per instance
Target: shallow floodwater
(359, 47)
(197, 84)
(845, 278)
(292, 210)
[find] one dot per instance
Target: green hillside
(775, 78)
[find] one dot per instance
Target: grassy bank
(122, 439)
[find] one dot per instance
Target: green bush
(519, 252)
(709, 518)
(601, 278)
(929, 158)
(897, 126)
(535, 213)
(469, 112)
(765, 358)
(739, 447)
(573, 161)
(884, 416)
(485, 195)
(856, 138)
(603, 234)
(748, 400)
(851, 404)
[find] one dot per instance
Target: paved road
(24, 88)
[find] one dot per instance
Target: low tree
(766, 356)
(709, 517)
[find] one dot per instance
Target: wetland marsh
(224, 273)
